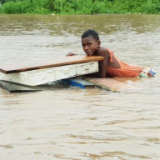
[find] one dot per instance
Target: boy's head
(90, 42)
(91, 33)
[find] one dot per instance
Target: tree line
(79, 6)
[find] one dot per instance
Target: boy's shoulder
(103, 51)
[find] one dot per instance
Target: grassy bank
(79, 6)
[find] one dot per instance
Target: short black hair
(92, 33)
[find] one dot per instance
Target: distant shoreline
(79, 7)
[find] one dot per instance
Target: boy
(110, 66)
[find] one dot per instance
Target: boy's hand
(70, 54)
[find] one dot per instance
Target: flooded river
(77, 124)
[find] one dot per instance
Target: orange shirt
(125, 70)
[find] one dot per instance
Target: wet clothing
(125, 70)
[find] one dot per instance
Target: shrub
(1, 9)
(80, 6)
(151, 8)
(16, 7)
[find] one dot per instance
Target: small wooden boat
(13, 77)
(33, 74)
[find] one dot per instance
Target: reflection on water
(75, 124)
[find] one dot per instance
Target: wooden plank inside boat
(110, 84)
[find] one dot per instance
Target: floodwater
(77, 124)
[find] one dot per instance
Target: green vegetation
(79, 6)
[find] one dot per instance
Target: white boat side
(42, 76)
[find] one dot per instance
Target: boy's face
(90, 45)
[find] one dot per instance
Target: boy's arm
(102, 65)
(71, 54)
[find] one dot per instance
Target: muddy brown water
(76, 124)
